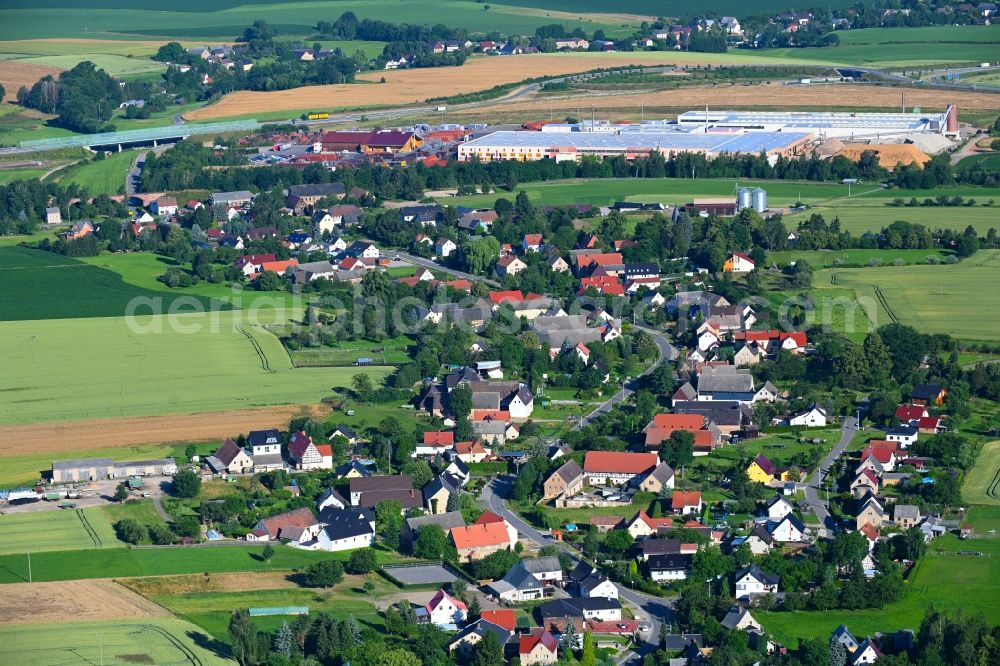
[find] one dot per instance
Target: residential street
(814, 486)
(434, 266)
(653, 610)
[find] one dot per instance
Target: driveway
(434, 266)
(815, 483)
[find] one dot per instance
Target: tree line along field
(62, 529)
(121, 642)
(953, 299)
(669, 191)
(103, 367)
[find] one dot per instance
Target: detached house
(297, 527)
(686, 502)
(304, 454)
(566, 481)
(230, 458)
(443, 610)
(537, 647)
(739, 263)
(265, 448)
(487, 535)
(752, 582)
(346, 529)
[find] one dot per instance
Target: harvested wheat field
(409, 86)
(235, 582)
(14, 74)
(740, 97)
(73, 601)
(69, 436)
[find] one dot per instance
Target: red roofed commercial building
(686, 502)
(386, 141)
(602, 467)
(772, 341)
(487, 535)
(537, 647)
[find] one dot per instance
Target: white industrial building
(821, 124)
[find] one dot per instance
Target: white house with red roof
(582, 352)
(251, 263)
(443, 610)
(739, 263)
(686, 502)
(435, 443)
(304, 454)
(532, 243)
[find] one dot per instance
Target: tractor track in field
(993, 489)
(89, 529)
(265, 366)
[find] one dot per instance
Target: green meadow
(226, 19)
(934, 299)
(62, 529)
(98, 176)
(165, 364)
(952, 582)
(132, 562)
(849, 258)
(117, 642)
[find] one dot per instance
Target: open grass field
(113, 642)
(73, 601)
(71, 369)
(986, 79)
(63, 529)
(668, 191)
(936, 299)
(10, 175)
(987, 161)
(827, 258)
(869, 214)
(29, 278)
(226, 19)
(17, 124)
(105, 176)
(906, 47)
(160, 561)
(953, 583)
(140, 510)
(982, 482)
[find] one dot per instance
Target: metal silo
(760, 200)
(744, 198)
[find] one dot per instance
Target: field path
(69, 436)
(73, 601)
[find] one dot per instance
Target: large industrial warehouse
(822, 124)
(628, 141)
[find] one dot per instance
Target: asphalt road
(653, 610)
(814, 485)
(434, 266)
(666, 352)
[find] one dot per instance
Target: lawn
(987, 161)
(10, 175)
(59, 529)
(101, 176)
(982, 482)
(391, 351)
(212, 610)
(780, 448)
(951, 582)
(17, 124)
(933, 298)
(160, 561)
(147, 641)
(142, 511)
(668, 191)
(850, 258)
(185, 363)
